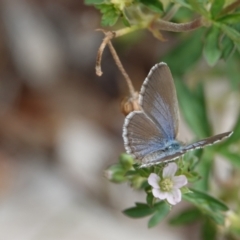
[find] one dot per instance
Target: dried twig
(107, 41)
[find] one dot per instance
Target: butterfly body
(150, 134)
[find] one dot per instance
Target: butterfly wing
(147, 131)
(158, 100)
(196, 145)
(141, 136)
(207, 141)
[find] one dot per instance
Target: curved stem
(122, 70)
(177, 27)
(107, 41)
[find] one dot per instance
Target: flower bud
(130, 104)
(126, 161)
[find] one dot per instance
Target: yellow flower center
(166, 185)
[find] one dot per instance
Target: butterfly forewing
(159, 100)
(196, 145)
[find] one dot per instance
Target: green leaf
(150, 199)
(193, 107)
(185, 190)
(125, 21)
(216, 7)
(211, 49)
(230, 18)
(198, 197)
(205, 170)
(154, 5)
(230, 32)
(93, 2)
(186, 217)
(162, 211)
(209, 230)
(198, 7)
(227, 47)
(192, 176)
(109, 14)
(143, 172)
(210, 207)
(191, 44)
(141, 210)
(183, 3)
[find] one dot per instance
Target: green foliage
(162, 210)
(216, 7)
(209, 230)
(188, 216)
(158, 211)
(211, 207)
(211, 50)
(110, 14)
(198, 122)
(154, 5)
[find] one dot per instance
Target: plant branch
(177, 27)
(107, 41)
(230, 8)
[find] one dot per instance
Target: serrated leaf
(141, 210)
(230, 18)
(186, 217)
(211, 49)
(110, 14)
(216, 7)
(154, 5)
(162, 211)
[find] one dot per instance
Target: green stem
(127, 30)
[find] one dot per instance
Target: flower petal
(174, 196)
(153, 180)
(170, 170)
(157, 193)
(179, 181)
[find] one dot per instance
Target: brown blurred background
(61, 126)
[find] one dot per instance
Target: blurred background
(61, 125)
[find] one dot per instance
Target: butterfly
(150, 134)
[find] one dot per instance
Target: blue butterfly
(150, 134)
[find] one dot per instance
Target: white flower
(168, 187)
